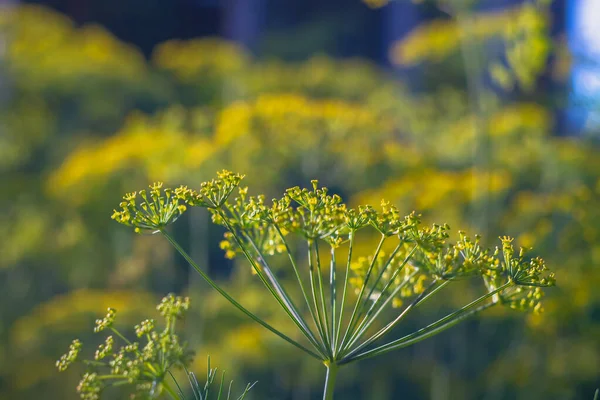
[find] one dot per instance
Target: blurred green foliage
(86, 117)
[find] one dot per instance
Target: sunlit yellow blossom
(83, 52)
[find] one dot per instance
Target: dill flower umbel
(150, 210)
(143, 364)
(338, 330)
(67, 359)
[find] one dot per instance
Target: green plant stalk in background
(421, 264)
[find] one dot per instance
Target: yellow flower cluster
(528, 49)
(285, 125)
(293, 129)
(338, 116)
(430, 189)
(438, 39)
(70, 311)
(376, 3)
(46, 48)
(193, 58)
(148, 142)
(150, 211)
(214, 61)
(319, 76)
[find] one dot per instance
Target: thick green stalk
(330, 378)
(169, 390)
(233, 301)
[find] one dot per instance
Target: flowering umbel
(150, 210)
(67, 359)
(212, 194)
(142, 364)
(410, 263)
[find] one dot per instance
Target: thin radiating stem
(285, 297)
(379, 276)
(233, 301)
(424, 333)
(382, 332)
(313, 287)
(297, 273)
(372, 290)
(367, 321)
(276, 290)
(333, 287)
(370, 319)
(343, 302)
(322, 294)
(350, 328)
(416, 337)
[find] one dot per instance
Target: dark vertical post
(398, 19)
(242, 20)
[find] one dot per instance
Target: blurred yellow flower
(438, 39)
(149, 143)
(211, 56)
(46, 48)
(70, 312)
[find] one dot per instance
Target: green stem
(330, 378)
(418, 336)
(436, 327)
(280, 294)
(378, 279)
(107, 377)
(369, 317)
(351, 324)
(274, 287)
(233, 301)
(333, 294)
(420, 298)
(175, 380)
(123, 338)
(328, 332)
(390, 282)
(297, 273)
(313, 287)
(170, 390)
(343, 302)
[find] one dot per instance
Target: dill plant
(343, 320)
(144, 365)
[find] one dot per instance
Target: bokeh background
(487, 119)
